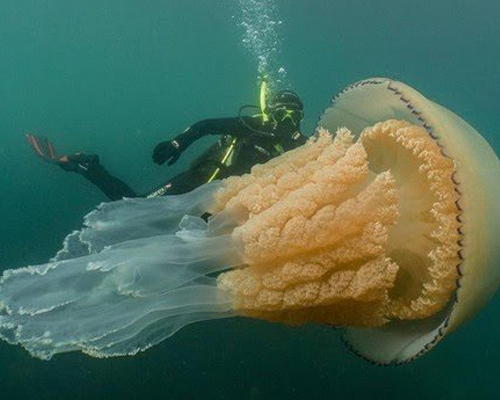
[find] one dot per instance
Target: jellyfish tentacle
(135, 218)
(129, 295)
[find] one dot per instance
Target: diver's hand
(167, 151)
(78, 162)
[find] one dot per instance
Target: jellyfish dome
(385, 223)
(476, 214)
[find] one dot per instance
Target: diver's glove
(167, 151)
(78, 162)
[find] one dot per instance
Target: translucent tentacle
(135, 218)
(142, 278)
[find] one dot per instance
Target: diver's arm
(172, 149)
(214, 126)
(90, 167)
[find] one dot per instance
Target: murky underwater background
(115, 77)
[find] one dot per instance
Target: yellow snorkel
(263, 100)
(262, 107)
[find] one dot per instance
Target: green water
(116, 77)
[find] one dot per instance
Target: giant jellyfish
(386, 223)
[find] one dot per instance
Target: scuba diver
(244, 142)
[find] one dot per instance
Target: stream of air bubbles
(262, 38)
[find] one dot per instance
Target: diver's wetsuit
(111, 186)
(244, 142)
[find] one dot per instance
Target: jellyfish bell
(386, 228)
(477, 184)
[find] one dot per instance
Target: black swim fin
(43, 148)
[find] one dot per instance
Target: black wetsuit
(247, 140)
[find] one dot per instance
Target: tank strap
(226, 160)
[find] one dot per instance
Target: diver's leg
(84, 164)
(90, 167)
(182, 183)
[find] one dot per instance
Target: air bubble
(262, 38)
